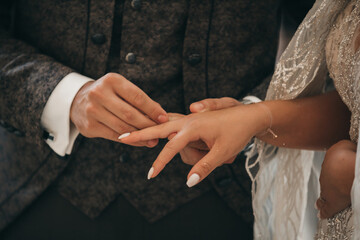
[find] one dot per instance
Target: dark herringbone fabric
(235, 39)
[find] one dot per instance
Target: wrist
(255, 119)
(265, 126)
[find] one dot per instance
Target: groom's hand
(213, 104)
(195, 151)
(111, 106)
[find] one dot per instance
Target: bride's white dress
(342, 57)
(325, 44)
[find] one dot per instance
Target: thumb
(212, 104)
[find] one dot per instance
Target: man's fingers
(137, 98)
(169, 151)
(212, 104)
(205, 166)
(106, 132)
(112, 121)
(128, 113)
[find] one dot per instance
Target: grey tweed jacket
(181, 51)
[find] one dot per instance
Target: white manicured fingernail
(123, 135)
(150, 173)
(193, 180)
(315, 206)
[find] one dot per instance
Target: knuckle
(139, 98)
(116, 126)
(90, 110)
(230, 101)
(213, 104)
(128, 115)
(193, 124)
(122, 128)
(205, 167)
(155, 110)
(95, 93)
(157, 106)
(171, 146)
(110, 76)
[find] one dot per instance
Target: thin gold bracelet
(268, 130)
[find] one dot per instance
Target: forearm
(309, 123)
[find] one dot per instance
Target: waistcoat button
(98, 38)
(130, 58)
(136, 4)
(194, 59)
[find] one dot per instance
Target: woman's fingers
(206, 165)
(200, 145)
(191, 155)
(173, 147)
(175, 116)
(155, 132)
(118, 127)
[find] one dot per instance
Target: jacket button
(124, 158)
(130, 58)
(194, 59)
(19, 133)
(223, 182)
(136, 4)
(98, 38)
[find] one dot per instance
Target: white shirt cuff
(55, 118)
(251, 99)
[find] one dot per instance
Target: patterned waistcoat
(177, 51)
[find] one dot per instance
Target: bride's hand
(194, 151)
(225, 132)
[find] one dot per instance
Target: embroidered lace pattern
(280, 185)
(338, 227)
(342, 60)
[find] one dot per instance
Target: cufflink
(48, 136)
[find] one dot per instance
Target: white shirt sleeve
(55, 118)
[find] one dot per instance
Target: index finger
(140, 100)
